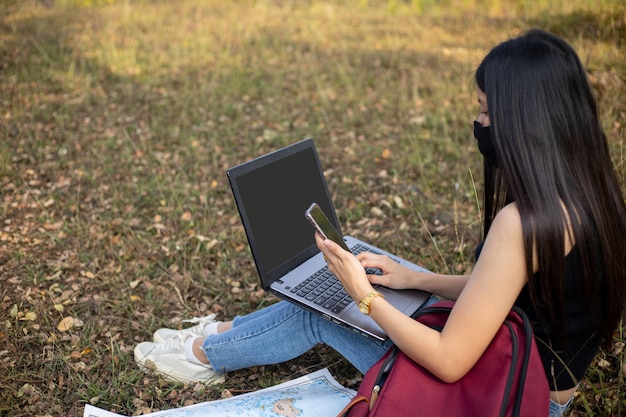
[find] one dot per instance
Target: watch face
(363, 308)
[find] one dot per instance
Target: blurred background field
(119, 119)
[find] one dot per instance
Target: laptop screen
(272, 193)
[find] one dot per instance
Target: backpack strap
(528, 334)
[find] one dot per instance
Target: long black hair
(554, 162)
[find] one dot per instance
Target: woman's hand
(393, 275)
(346, 267)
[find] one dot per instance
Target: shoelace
(173, 344)
(201, 321)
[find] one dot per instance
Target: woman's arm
(483, 303)
(399, 277)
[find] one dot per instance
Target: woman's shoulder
(505, 232)
(508, 218)
(510, 209)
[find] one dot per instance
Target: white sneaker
(168, 359)
(161, 335)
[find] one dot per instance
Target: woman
(554, 226)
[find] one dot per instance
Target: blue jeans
(282, 332)
(557, 410)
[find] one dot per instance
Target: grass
(120, 118)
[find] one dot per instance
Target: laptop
(272, 192)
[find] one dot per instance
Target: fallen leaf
(150, 365)
(29, 316)
(66, 324)
(377, 212)
(604, 364)
(79, 366)
(26, 389)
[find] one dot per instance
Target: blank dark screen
(274, 198)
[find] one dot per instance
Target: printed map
(313, 395)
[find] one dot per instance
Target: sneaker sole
(149, 367)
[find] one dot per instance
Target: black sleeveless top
(564, 365)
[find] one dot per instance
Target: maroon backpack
(508, 380)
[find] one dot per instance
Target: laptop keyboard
(325, 290)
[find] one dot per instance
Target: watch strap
(364, 304)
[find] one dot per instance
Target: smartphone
(324, 227)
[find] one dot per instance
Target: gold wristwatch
(364, 304)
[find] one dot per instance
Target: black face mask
(485, 146)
